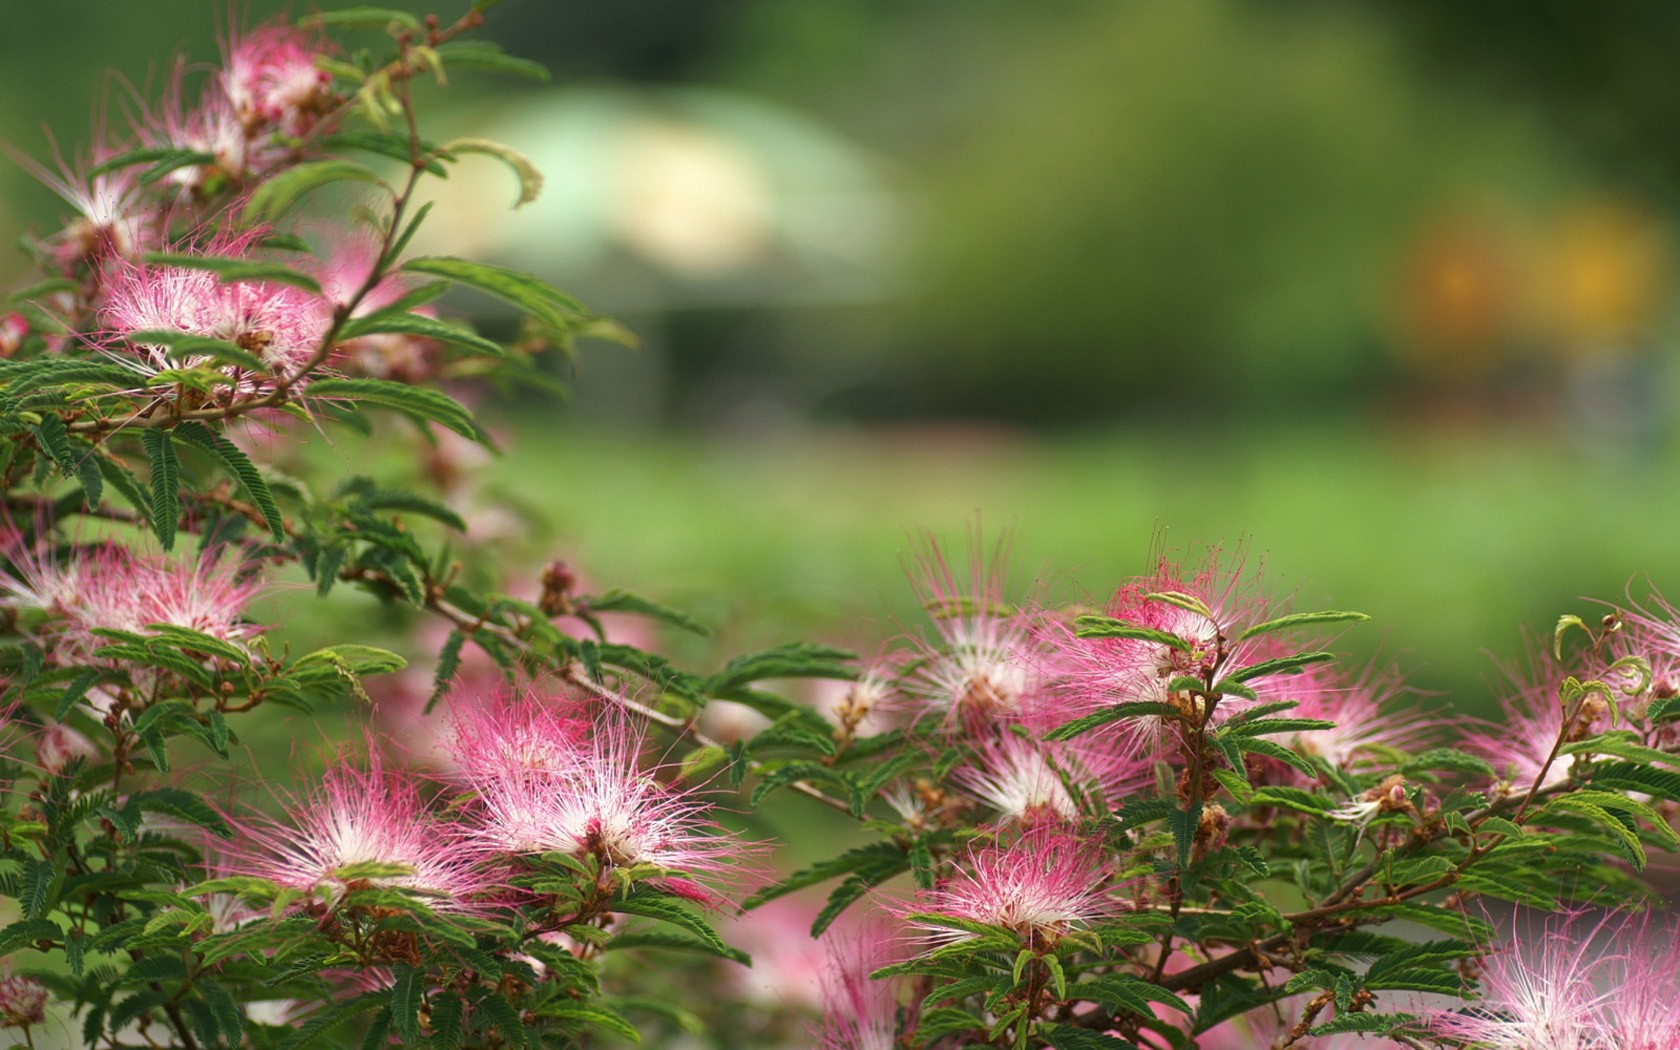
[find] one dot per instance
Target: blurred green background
(1383, 293)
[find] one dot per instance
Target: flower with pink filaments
(1088, 674)
(1045, 883)
(1370, 723)
(1027, 781)
(112, 587)
(858, 1013)
(1519, 748)
(281, 325)
(599, 803)
(506, 733)
(270, 76)
(980, 671)
(1545, 992)
(361, 816)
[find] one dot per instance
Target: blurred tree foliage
(1167, 204)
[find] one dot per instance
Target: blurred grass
(1452, 540)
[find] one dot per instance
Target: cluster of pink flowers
(540, 774)
(252, 117)
(281, 325)
(109, 586)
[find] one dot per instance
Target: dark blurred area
(1388, 288)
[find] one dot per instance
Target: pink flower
(1534, 711)
(23, 1001)
(270, 76)
(281, 325)
(14, 328)
(504, 733)
(1027, 781)
(110, 586)
(362, 816)
(58, 744)
(858, 1013)
(113, 218)
(1369, 722)
(979, 671)
(598, 802)
(1089, 674)
(1540, 994)
(1644, 983)
(1043, 884)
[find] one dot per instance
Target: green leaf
(1067, 1037)
(1109, 627)
(26, 932)
(55, 442)
(505, 1018)
(363, 18)
(166, 484)
(332, 1016)
(235, 270)
(650, 903)
(881, 860)
(184, 805)
(184, 346)
(243, 470)
(162, 161)
(276, 193)
(408, 992)
(531, 294)
(596, 1015)
(38, 888)
(1127, 992)
(449, 661)
(1264, 726)
(1113, 713)
(421, 326)
(1187, 602)
(1370, 1023)
(1449, 759)
(796, 660)
(418, 403)
(1282, 665)
(1293, 620)
(1665, 709)
(530, 179)
(624, 601)
(489, 57)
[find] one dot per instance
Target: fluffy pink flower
(58, 744)
(1540, 994)
(111, 586)
(506, 733)
(349, 262)
(599, 802)
(1371, 719)
(1042, 884)
(1027, 781)
(858, 1013)
(980, 669)
(1644, 984)
(113, 218)
(1089, 674)
(270, 76)
(281, 325)
(1519, 746)
(359, 816)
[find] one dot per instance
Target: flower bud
(23, 1001)
(59, 744)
